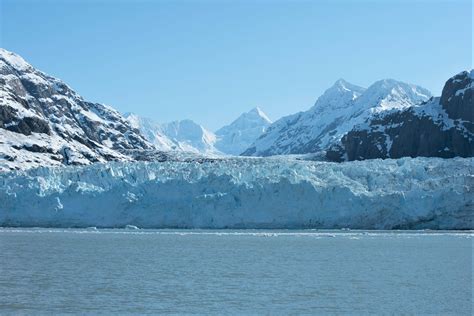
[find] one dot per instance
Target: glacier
(407, 193)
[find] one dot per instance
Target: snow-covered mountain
(188, 136)
(44, 122)
(152, 131)
(184, 135)
(440, 127)
(236, 137)
(336, 112)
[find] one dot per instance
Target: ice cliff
(408, 193)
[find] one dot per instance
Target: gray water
(235, 272)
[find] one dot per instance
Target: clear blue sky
(211, 60)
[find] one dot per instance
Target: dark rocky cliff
(441, 127)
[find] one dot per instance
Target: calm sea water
(235, 272)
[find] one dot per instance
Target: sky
(210, 60)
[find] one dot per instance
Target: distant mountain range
(44, 122)
(186, 135)
(337, 111)
(390, 119)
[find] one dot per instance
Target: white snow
(337, 111)
(14, 59)
(435, 111)
(470, 86)
(235, 138)
(187, 135)
(184, 135)
(190, 136)
(244, 193)
(29, 93)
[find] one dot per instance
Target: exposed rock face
(457, 99)
(441, 127)
(44, 122)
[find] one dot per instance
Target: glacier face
(413, 193)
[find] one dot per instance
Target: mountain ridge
(187, 135)
(335, 112)
(45, 122)
(439, 127)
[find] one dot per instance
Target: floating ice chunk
(131, 227)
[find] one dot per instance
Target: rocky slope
(336, 112)
(440, 127)
(235, 138)
(44, 122)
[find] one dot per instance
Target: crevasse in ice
(244, 193)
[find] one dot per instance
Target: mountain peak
(14, 60)
(253, 118)
(457, 96)
(42, 112)
(258, 111)
(339, 95)
(242, 132)
(387, 94)
(342, 85)
(389, 84)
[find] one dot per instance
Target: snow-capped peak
(253, 118)
(337, 111)
(14, 60)
(188, 131)
(388, 94)
(259, 113)
(189, 136)
(241, 133)
(44, 122)
(182, 136)
(339, 95)
(343, 85)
